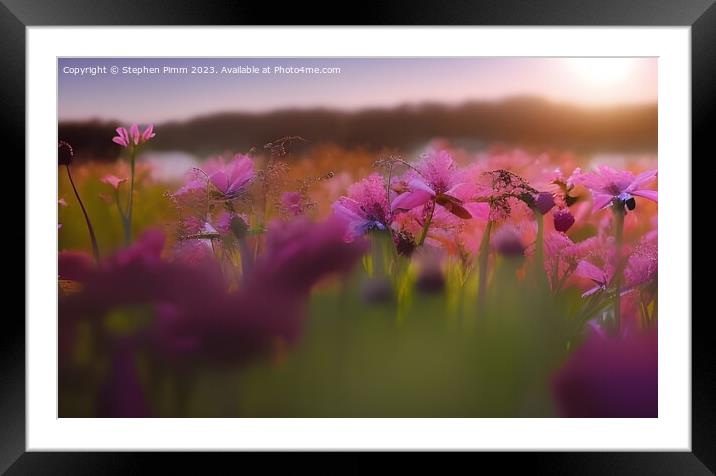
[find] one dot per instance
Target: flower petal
(410, 200)
(134, 133)
(652, 195)
(220, 181)
(479, 210)
(113, 181)
(417, 184)
(601, 200)
(120, 141)
(585, 269)
(641, 179)
(148, 133)
(122, 133)
(346, 213)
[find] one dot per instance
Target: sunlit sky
(361, 83)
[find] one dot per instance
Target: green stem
(426, 225)
(119, 207)
(482, 264)
(93, 238)
(380, 252)
(247, 257)
(130, 200)
(619, 238)
(539, 246)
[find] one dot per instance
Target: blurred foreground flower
(610, 378)
(191, 313)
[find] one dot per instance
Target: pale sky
(361, 83)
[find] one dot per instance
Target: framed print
(390, 235)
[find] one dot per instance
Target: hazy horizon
(363, 109)
(363, 83)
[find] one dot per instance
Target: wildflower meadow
(344, 283)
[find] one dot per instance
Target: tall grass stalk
(482, 264)
(93, 238)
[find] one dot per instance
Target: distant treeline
(526, 122)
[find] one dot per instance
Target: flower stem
(482, 263)
(93, 238)
(379, 250)
(426, 225)
(539, 248)
(618, 238)
(130, 200)
(119, 206)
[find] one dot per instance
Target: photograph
(357, 237)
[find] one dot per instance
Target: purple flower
(610, 378)
(544, 202)
(563, 219)
(299, 252)
(436, 178)
(196, 319)
(74, 265)
(366, 206)
(609, 187)
(133, 136)
(231, 179)
(232, 327)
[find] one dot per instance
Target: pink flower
(134, 136)
(231, 179)
(113, 181)
(291, 202)
(609, 187)
(600, 277)
(436, 178)
(642, 265)
(366, 206)
(193, 194)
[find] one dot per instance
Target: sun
(604, 71)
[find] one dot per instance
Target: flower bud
(544, 202)
(65, 154)
(563, 220)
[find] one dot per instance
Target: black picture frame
(700, 15)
